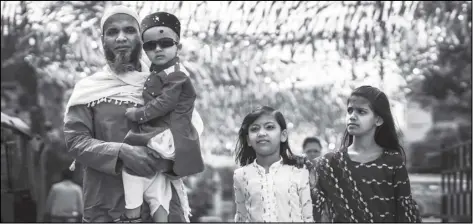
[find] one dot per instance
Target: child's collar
(159, 68)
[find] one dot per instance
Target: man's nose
(121, 37)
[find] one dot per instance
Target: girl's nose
(261, 133)
(352, 117)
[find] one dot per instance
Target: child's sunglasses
(163, 43)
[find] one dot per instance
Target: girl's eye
(253, 129)
(270, 127)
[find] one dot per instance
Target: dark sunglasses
(163, 43)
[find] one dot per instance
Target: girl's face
(265, 135)
(360, 118)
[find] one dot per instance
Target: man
(312, 148)
(95, 123)
(64, 203)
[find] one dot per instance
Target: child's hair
(245, 154)
(311, 139)
(385, 135)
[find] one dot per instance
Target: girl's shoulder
(239, 172)
(329, 156)
(393, 158)
(295, 171)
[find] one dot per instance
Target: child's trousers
(156, 191)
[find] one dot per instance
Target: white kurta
(282, 195)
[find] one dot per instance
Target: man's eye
(130, 30)
(111, 32)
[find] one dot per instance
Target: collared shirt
(93, 137)
(281, 195)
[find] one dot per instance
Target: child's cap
(162, 19)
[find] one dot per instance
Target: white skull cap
(117, 9)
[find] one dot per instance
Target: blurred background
(301, 57)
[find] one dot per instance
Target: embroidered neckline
(109, 100)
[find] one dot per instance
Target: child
(169, 103)
(269, 187)
(366, 180)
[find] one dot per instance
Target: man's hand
(143, 161)
(130, 113)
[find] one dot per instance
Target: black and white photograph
(236, 111)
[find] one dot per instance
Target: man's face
(312, 150)
(121, 42)
(160, 44)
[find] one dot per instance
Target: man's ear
(179, 46)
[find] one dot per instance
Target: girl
(269, 187)
(366, 180)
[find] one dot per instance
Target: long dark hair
(245, 154)
(385, 135)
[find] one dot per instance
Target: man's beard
(123, 61)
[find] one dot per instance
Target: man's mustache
(123, 61)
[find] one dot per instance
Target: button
(149, 79)
(144, 87)
(141, 119)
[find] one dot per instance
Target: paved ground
(431, 220)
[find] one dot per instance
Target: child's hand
(130, 113)
(301, 161)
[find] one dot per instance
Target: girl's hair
(245, 154)
(385, 135)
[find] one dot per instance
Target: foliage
(259, 56)
(439, 69)
(302, 57)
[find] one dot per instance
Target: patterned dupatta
(349, 194)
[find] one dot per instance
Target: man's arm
(165, 102)
(94, 153)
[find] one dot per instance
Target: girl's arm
(241, 212)
(406, 208)
(320, 211)
(304, 196)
